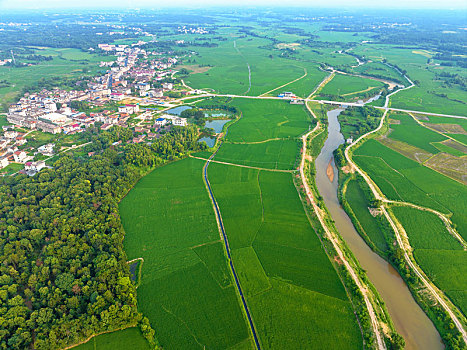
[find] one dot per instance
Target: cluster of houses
(294, 99)
(127, 78)
(192, 30)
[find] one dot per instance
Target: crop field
(65, 63)
(430, 94)
(359, 204)
(286, 276)
(306, 85)
(186, 289)
(130, 338)
(411, 132)
(264, 120)
(438, 253)
(403, 179)
(276, 154)
(380, 70)
(229, 72)
(425, 229)
(349, 86)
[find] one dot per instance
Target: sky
(63, 4)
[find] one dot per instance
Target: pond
(178, 110)
(210, 141)
(217, 124)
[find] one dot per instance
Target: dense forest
(64, 274)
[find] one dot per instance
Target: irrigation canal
(409, 319)
(227, 248)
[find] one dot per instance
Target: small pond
(217, 124)
(210, 141)
(178, 110)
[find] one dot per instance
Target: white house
(167, 86)
(47, 150)
(161, 121)
(179, 121)
(4, 162)
(20, 156)
(34, 166)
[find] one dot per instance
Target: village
(133, 93)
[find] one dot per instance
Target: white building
(161, 121)
(47, 150)
(179, 121)
(20, 156)
(4, 162)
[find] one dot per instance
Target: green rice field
(130, 338)
(186, 289)
(438, 253)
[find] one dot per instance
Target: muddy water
(409, 319)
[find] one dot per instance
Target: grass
(276, 154)
(169, 221)
(287, 278)
(359, 204)
(264, 120)
(130, 338)
(380, 70)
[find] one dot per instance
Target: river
(409, 319)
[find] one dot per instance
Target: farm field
(400, 178)
(130, 338)
(280, 261)
(348, 87)
(65, 63)
(275, 154)
(359, 204)
(228, 71)
(438, 253)
(380, 70)
(264, 120)
(430, 94)
(186, 289)
(413, 133)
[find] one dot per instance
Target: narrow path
(227, 248)
(321, 85)
(248, 65)
(335, 241)
(398, 229)
(290, 82)
(258, 142)
(243, 166)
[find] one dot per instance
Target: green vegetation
(413, 133)
(371, 226)
(130, 338)
(275, 154)
(264, 120)
(186, 289)
(347, 87)
(356, 121)
(400, 178)
(438, 253)
(280, 262)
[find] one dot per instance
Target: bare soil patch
(455, 145)
(330, 171)
(412, 152)
(283, 46)
(195, 68)
(447, 128)
(449, 165)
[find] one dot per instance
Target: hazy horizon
(127, 4)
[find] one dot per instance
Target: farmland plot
(287, 278)
(186, 289)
